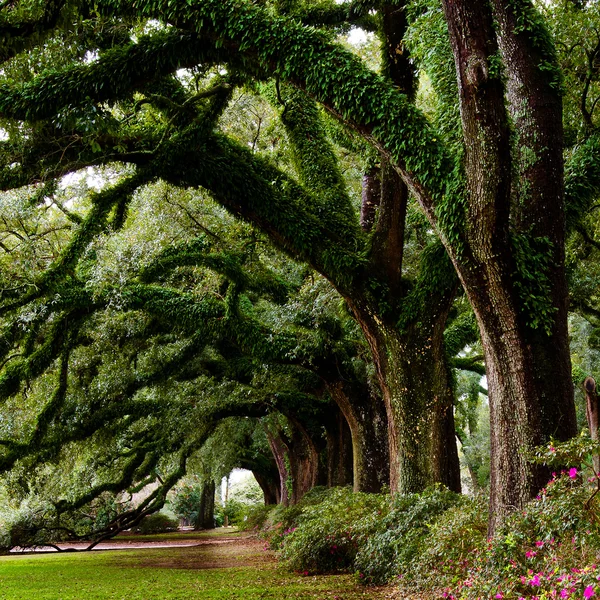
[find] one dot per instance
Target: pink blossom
(572, 472)
(535, 580)
(498, 595)
(564, 594)
(588, 592)
(530, 553)
(539, 544)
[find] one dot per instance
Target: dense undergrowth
(436, 542)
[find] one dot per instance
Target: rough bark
(371, 196)
(418, 400)
(366, 417)
(527, 371)
(303, 456)
(278, 448)
(592, 413)
(271, 488)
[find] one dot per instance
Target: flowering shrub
(550, 549)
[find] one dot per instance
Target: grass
(176, 535)
(247, 573)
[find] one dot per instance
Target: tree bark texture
(271, 488)
(366, 417)
(339, 458)
(413, 375)
(592, 413)
(528, 371)
(278, 448)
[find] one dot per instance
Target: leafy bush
(453, 540)
(157, 523)
(185, 500)
(551, 548)
(256, 517)
(402, 535)
(327, 535)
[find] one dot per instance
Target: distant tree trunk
(339, 449)
(279, 450)
(206, 510)
(271, 489)
(365, 414)
(304, 461)
(225, 501)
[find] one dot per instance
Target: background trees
(145, 306)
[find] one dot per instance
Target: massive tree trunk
(414, 377)
(527, 362)
(271, 488)
(303, 456)
(279, 450)
(366, 417)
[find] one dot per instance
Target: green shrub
(157, 523)
(453, 541)
(401, 538)
(26, 527)
(328, 535)
(255, 517)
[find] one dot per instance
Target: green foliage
(156, 523)
(327, 536)
(402, 535)
(534, 258)
(185, 501)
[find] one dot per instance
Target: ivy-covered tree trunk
(513, 222)
(414, 377)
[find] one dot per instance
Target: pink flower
(535, 580)
(572, 472)
(498, 595)
(539, 544)
(530, 553)
(564, 594)
(588, 592)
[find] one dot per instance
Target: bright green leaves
(533, 258)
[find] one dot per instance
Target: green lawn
(249, 574)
